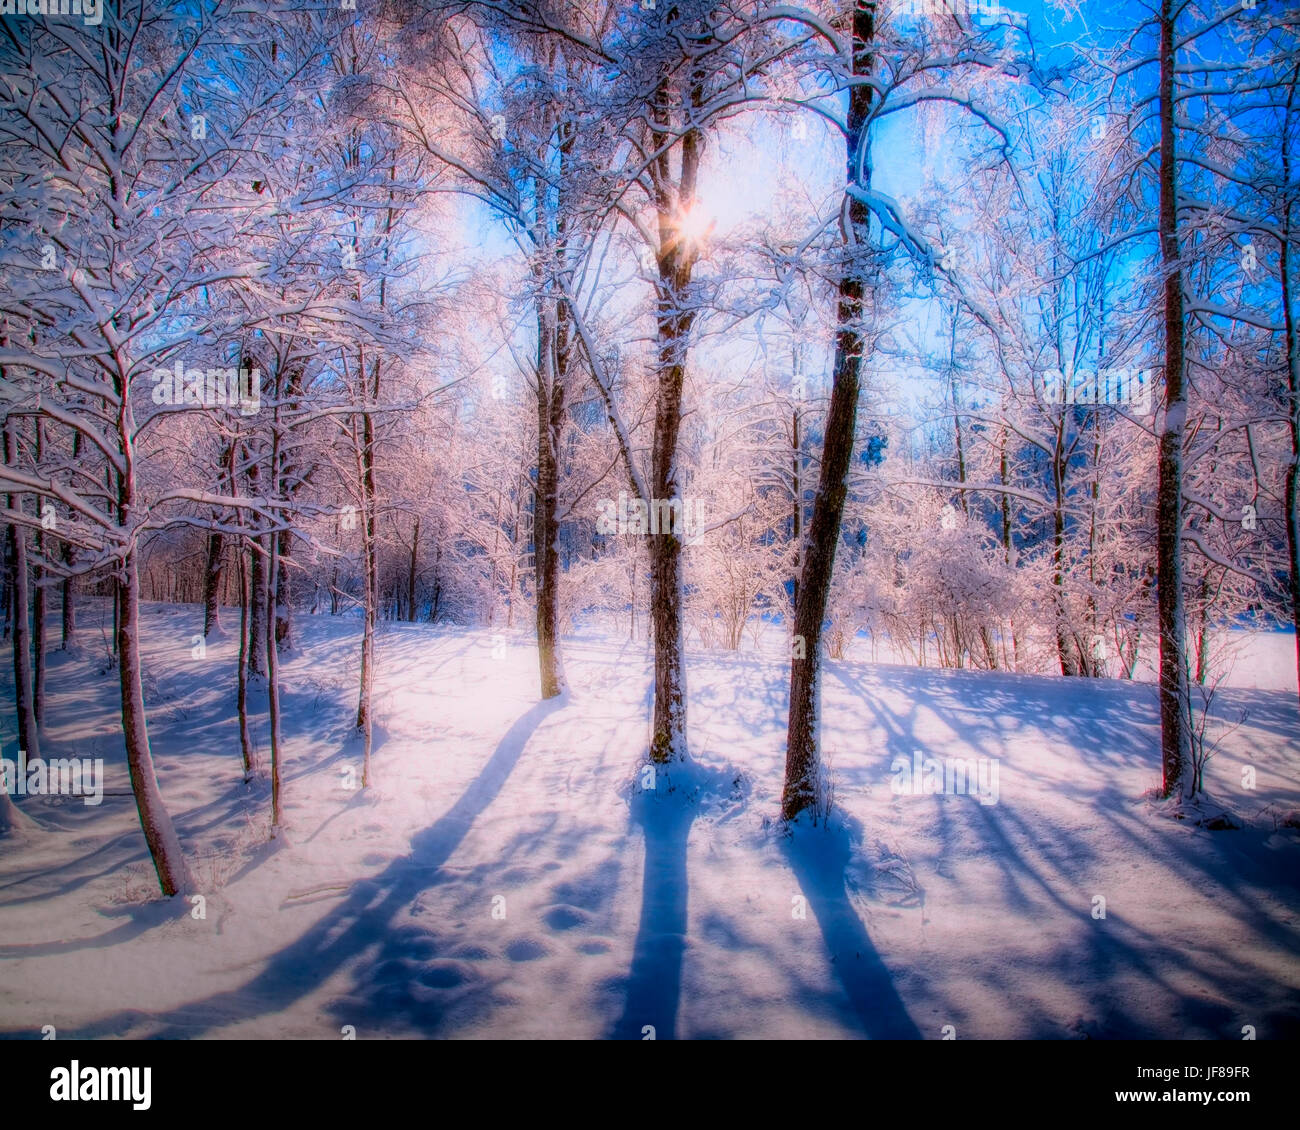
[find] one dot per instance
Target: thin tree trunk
(1293, 388)
(283, 590)
(69, 597)
(258, 608)
(796, 524)
(410, 575)
(38, 605)
(551, 358)
(1175, 736)
(366, 461)
(436, 598)
(38, 639)
(273, 697)
(212, 578)
(803, 787)
(159, 832)
(245, 739)
(28, 736)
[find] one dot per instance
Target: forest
(717, 406)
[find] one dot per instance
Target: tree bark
(283, 590)
(212, 579)
(674, 320)
(1293, 387)
(260, 598)
(410, 575)
(28, 736)
(803, 786)
(552, 359)
(366, 466)
(155, 821)
(273, 696)
(245, 738)
(69, 608)
(38, 603)
(1175, 735)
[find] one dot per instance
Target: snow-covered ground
(504, 877)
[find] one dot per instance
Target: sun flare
(695, 224)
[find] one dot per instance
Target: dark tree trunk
(38, 639)
(366, 455)
(669, 740)
(1293, 388)
(283, 592)
(258, 607)
(674, 320)
(39, 600)
(410, 574)
(435, 599)
(1065, 649)
(212, 581)
(69, 589)
(155, 821)
(245, 738)
(552, 359)
(28, 736)
(1175, 736)
(803, 788)
(69, 598)
(796, 515)
(268, 642)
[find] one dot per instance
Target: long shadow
(655, 977)
(665, 814)
(1114, 727)
(362, 921)
(819, 857)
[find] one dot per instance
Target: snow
(618, 909)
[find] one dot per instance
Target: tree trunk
(270, 643)
(1175, 736)
(366, 466)
(260, 597)
(1293, 388)
(159, 832)
(436, 597)
(803, 787)
(69, 597)
(552, 357)
(796, 524)
(28, 737)
(668, 742)
(39, 602)
(245, 738)
(38, 639)
(212, 578)
(283, 591)
(673, 325)
(410, 575)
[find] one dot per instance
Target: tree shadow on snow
(396, 982)
(665, 815)
(654, 980)
(819, 855)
